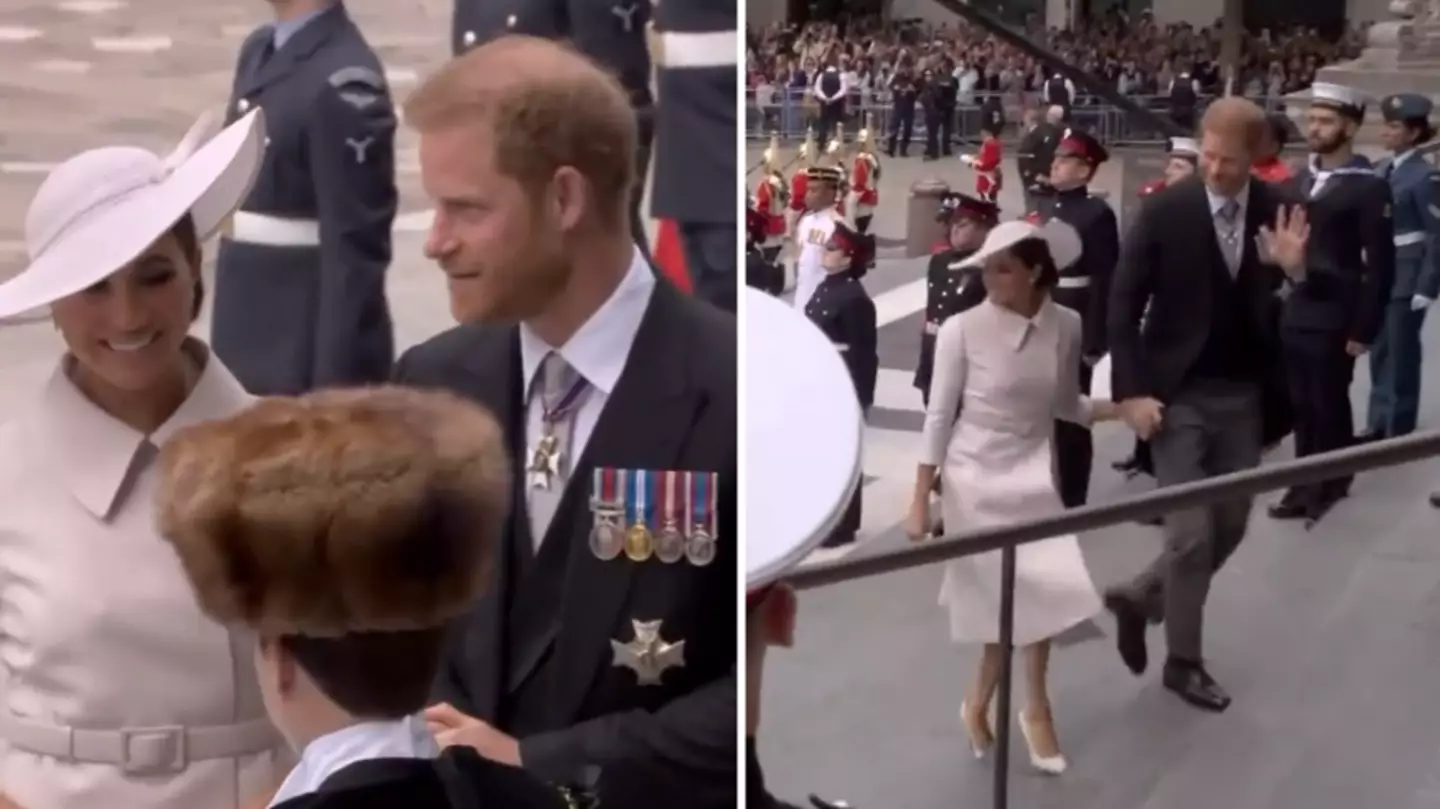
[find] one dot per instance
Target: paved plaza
(1327, 640)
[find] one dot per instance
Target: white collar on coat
(93, 451)
(599, 349)
(1015, 327)
(366, 741)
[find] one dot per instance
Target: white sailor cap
(1337, 97)
(802, 438)
(1184, 147)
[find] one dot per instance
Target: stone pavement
(1327, 640)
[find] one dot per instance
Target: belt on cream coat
(141, 750)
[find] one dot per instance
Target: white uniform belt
(842, 346)
(1073, 282)
(684, 49)
(273, 231)
(1413, 237)
(138, 751)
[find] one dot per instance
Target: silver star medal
(544, 463)
(648, 654)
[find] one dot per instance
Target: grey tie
(551, 382)
(1228, 231)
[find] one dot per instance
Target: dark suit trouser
(1210, 428)
(902, 129)
(1318, 373)
(831, 116)
(933, 119)
(710, 258)
(1074, 455)
(1395, 372)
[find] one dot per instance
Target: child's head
(345, 528)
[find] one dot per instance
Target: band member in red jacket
(864, 179)
(986, 163)
(799, 181)
(772, 198)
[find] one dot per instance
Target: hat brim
(1063, 240)
(803, 438)
(209, 186)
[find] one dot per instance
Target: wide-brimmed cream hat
(1063, 240)
(101, 209)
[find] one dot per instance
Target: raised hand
(1284, 243)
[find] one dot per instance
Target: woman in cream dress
(1010, 367)
(115, 691)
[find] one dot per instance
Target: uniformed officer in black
(904, 91)
(1084, 286)
(760, 272)
(1336, 305)
(695, 138)
(300, 280)
(1060, 92)
(612, 32)
(949, 288)
(938, 139)
(843, 310)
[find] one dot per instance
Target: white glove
(1420, 303)
(967, 159)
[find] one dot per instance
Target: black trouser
(831, 116)
(1074, 455)
(932, 132)
(1319, 372)
(902, 128)
(862, 223)
(947, 130)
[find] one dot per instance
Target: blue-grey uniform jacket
(1415, 190)
(300, 282)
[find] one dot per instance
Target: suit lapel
(1211, 237)
(496, 361)
(294, 53)
(644, 426)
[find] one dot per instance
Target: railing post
(1003, 711)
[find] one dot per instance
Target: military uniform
(612, 32)
(949, 288)
(812, 233)
(1085, 288)
(300, 279)
(864, 180)
(1395, 357)
(1350, 261)
(695, 138)
(761, 270)
(843, 310)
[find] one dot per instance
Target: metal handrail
(1006, 539)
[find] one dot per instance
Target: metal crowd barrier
(790, 112)
(1316, 468)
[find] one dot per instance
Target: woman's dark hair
(1034, 253)
(185, 233)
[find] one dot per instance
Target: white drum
(803, 435)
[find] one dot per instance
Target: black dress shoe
(1190, 682)
(1435, 500)
(1129, 631)
(1296, 504)
(821, 803)
(1317, 511)
(1370, 436)
(1131, 464)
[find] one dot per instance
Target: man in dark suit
(1201, 379)
(606, 646)
(1335, 308)
(300, 278)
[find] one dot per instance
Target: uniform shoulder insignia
(358, 86)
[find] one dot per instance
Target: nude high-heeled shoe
(1041, 729)
(977, 728)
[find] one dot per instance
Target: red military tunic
(770, 203)
(988, 174)
(863, 183)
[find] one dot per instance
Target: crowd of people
(1143, 58)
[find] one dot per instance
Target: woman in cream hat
(117, 691)
(1010, 368)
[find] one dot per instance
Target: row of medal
(644, 514)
